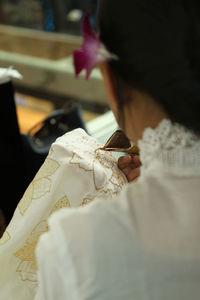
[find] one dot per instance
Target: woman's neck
(141, 112)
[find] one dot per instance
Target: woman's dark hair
(158, 45)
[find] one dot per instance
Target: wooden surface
(38, 43)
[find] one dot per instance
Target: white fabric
(6, 74)
(171, 146)
(73, 174)
(143, 245)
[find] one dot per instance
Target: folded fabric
(74, 174)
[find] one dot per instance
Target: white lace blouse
(144, 244)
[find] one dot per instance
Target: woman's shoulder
(103, 220)
(101, 212)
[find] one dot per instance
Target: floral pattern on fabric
(40, 185)
(27, 268)
(91, 159)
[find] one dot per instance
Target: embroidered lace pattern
(172, 146)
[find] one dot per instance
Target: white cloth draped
(73, 175)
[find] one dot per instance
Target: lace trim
(173, 146)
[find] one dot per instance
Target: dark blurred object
(49, 15)
(2, 17)
(13, 170)
(66, 15)
(2, 223)
(39, 139)
(22, 13)
(49, 20)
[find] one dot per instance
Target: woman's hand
(130, 166)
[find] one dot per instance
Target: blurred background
(37, 38)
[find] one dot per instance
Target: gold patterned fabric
(73, 174)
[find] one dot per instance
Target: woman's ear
(110, 87)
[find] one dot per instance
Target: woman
(144, 244)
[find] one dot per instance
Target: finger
(127, 171)
(124, 161)
(136, 159)
(134, 174)
(132, 166)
